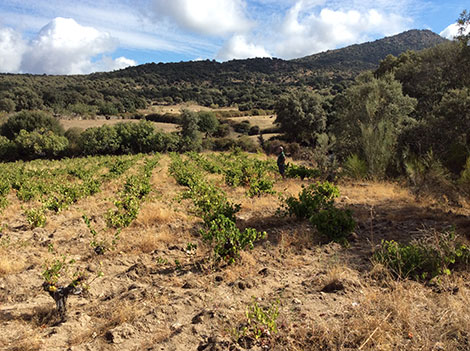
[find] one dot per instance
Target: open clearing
(156, 294)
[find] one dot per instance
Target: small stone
(297, 301)
(187, 285)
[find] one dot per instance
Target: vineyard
(216, 251)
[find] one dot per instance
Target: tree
(7, 105)
(372, 114)
(190, 138)
(208, 122)
(40, 144)
(30, 121)
(301, 117)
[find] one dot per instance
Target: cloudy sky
(83, 36)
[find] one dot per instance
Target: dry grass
(145, 241)
(89, 123)
(155, 213)
(10, 263)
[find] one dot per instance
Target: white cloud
(237, 47)
(304, 32)
(61, 47)
(110, 64)
(12, 47)
(451, 31)
(209, 17)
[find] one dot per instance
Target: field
(88, 123)
(135, 228)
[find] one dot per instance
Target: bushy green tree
(371, 116)
(30, 121)
(7, 105)
(190, 136)
(301, 117)
(135, 137)
(100, 141)
(40, 144)
(208, 122)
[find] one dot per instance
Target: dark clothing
(281, 162)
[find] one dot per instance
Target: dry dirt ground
(157, 295)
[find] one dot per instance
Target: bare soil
(157, 295)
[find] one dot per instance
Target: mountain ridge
(249, 83)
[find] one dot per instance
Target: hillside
(252, 83)
(366, 56)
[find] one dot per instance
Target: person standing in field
(281, 161)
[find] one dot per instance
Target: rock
(297, 301)
(333, 287)
(187, 285)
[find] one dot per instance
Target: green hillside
(251, 83)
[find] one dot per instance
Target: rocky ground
(159, 293)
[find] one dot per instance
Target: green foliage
(464, 180)
(424, 259)
(190, 138)
(40, 144)
(30, 121)
(354, 167)
(7, 105)
(36, 217)
(135, 189)
(55, 270)
(311, 199)
(102, 140)
(7, 149)
(207, 122)
(427, 175)
(336, 224)
(370, 116)
(227, 239)
(261, 321)
(213, 207)
(301, 117)
(302, 172)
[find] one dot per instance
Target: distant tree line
(37, 134)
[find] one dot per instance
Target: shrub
(73, 136)
(30, 121)
(8, 149)
(254, 130)
(354, 167)
(222, 130)
(423, 259)
(246, 144)
(164, 118)
(36, 217)
(40, 144)
(336, 224)
(311, 199)
(228, 240)
(302, 172)
(427, 175)
(261, 321)
(242, 127)
(100, 141)
(464, 180)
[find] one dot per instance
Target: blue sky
(83, 36)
